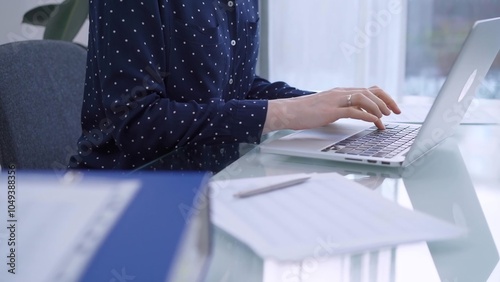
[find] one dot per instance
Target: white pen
(272, 187)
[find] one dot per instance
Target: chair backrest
(41, 93)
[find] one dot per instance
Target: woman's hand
(315, 110)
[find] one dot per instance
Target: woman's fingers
(361, 100)
(379, 124)
(366, 106)
(386, 98)
(379, 96)
(380, 103)
(353, 112)
(358, 113)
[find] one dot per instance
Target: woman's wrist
(280, 115)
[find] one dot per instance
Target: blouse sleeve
(129, 49)
(263, 89)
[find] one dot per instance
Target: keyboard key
(382, 143)
(354, 152)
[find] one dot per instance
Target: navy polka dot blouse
(165, 74)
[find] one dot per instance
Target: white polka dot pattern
(164, 74)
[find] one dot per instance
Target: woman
(164, 74)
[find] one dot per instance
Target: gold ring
(349, 103)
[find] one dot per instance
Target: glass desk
(459, 181)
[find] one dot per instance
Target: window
(436, 32)
(404, 46)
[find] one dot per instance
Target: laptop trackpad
(319, 138)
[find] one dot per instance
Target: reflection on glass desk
(200, 158)
(458, 182)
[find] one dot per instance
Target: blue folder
(162, 234)
(164, 225)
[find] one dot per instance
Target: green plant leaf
(67, 20)
(39, 15)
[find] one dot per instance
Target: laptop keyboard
(377, 143)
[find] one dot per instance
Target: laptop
(399, 145)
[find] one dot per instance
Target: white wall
(11, 28)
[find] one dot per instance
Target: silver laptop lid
(468, 71)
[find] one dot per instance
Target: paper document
(478, 114)
(327, 214)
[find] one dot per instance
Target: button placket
(233, 18)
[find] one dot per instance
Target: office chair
(41, 92)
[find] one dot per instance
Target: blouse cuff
(248, 121)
